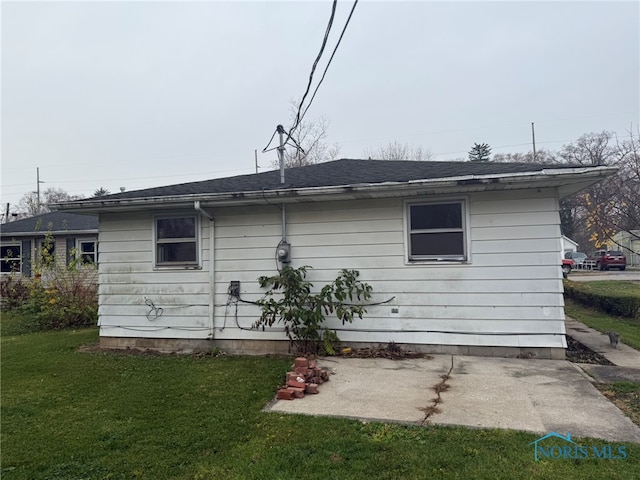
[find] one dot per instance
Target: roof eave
(570, 180)
(40, 233)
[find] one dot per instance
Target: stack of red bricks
(305, 378)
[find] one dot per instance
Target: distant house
(568, 245)
(467, 250)
(22, 242)
(629, 243)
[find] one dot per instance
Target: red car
(606, 259)
(567, 265)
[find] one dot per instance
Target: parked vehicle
(606, 259)
(577, 257)
(567, 265)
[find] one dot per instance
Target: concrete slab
(534, 395)
(609, 374)
(623, 356)
(375, 389)
(597, 275)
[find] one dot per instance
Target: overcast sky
(140, 94)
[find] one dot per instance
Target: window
(87, 252)
(436, 231)
(176, 241)
(10, 258)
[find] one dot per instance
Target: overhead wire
(344, 29)
(313, 67)
(300, 114)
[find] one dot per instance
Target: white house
(568, 245)
(629, 243)
(469, 251)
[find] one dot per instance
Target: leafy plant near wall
(289, 300)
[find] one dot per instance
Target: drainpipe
(212, 270)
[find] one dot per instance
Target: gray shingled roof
(53, 221)
(336, 173)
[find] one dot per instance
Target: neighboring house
(568, 245)
(629, 243)
(23, 241)
(468, 252)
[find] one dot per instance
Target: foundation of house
(282, 347)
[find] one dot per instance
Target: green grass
(12, 323)
(629, 329)
(617, 287)
(68, 414)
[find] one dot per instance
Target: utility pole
(533, 136)
(255, 153)
(38, 182)
(280, 130)
(283, 250)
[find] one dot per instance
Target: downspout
(212, 270)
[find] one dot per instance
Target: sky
(140, 94)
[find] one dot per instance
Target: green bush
(289, 300)
(64, 300)
(14, 291)
(56, 297)
(618, 303)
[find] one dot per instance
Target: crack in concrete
(439, 387)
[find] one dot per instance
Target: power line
(301, 113)
(344, 29)
(313, 68)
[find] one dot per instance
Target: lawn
(69, 414)
(629, 329)
(618, 287)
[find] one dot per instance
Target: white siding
(508, 294)
(128, 280)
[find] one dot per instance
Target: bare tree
(612, 205)
(590, 149)
(30, 205)
(308, 143)
(542, 156)
(398, 151)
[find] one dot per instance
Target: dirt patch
(391, 351)
(625, 396)
(578, 353)
(96, 348)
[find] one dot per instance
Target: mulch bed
(579, 353)
(392, 351)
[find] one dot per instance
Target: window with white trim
(87, 252)
(437, 231)
(11, 258)
(176, 240)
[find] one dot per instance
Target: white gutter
(212, 270)
(39, 233)
(355, 190)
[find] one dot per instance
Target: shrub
(289, 300)
(620, 304)
(14, 291)
(66, 299)
(56, 297)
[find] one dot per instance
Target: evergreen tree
(480, 152)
